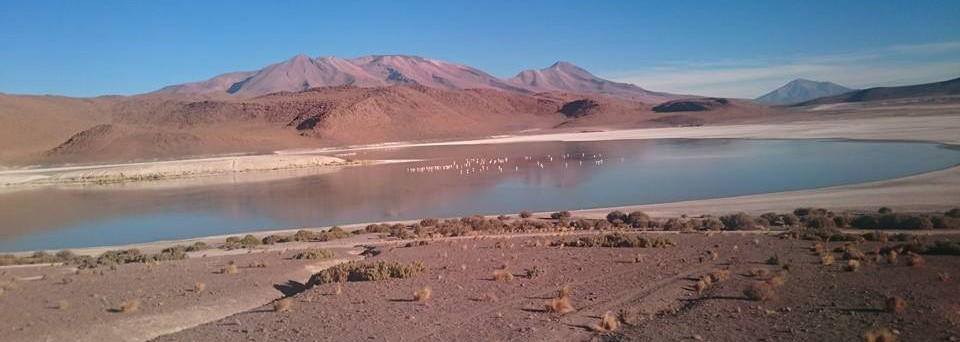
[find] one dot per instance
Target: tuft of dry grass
(502, 275)
(536, 271)
(282, 305)
(719, 275)
(778, 279)
(895, 304)
(943, 276)
(892, 258)
(703, 284)
(852, 266)
(338, 290)
(422, 294)
(129, 306)
(199, 286)
(607, 323)
(882, 335)
(560, 305)
(915, 259)
(827, 259)
(638, 258)
(63, 305)
(760, 290)
(230, 269)
(564, 291)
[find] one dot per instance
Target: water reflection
(452, 181)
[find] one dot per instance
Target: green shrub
(738, 221)
(617, 240)
(637, 219)
(355, 271)
(954, 213)
(311, 254)
(818, 222)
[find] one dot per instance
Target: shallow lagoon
(452, 181)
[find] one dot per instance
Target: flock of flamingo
(479, 165)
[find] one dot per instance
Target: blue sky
(722, 48)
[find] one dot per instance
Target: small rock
(698, 337)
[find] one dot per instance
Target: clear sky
(721, 48)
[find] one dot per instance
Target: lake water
(461, 180)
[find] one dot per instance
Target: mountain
(800, 90)
(566, 77)
(302, 72)
(949, 87)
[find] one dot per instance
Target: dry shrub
(818, 247)
(199, 287)
(63, 305)
(759, 272)
(827, 259)
(564, 291)
(282, 305)
(502, 275)
(526, 214)
(536, 271)
(852, 266)
(915, 259)
(895, 304)
(560, 305)
(703, 284)
(719, 275)
(357, 271)
(607, 323)
(892, 257)
(943, 276)
(230, 269)
(882, 335)
(760, 290)
(338, 290)
(129, 306)
(422, 294)
(502, 244)
(315, 254)
(638, 258)
(851, 252)
(778, 279)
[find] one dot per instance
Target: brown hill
(55, 130)
(945, 88)
(569, 78)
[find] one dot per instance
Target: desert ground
(495, 285)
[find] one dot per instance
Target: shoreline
(925, 192)
(930, 191)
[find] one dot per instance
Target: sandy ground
(817, 303)
(173, 169)
(166, 292)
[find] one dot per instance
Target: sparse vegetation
(882, 335)
(422, 294)
(914, 259)
(230, 269)
(895, 304)
(738, 221)
(282, 305)
(129, 306)
(248, 241)
(377, 271)
(63, 305)
(312, 254)
(199, 286)
(760, 291)
(607, 323)
(502, 275)
(535, 271)
(617, 240)
(852, 266)
(525, 214)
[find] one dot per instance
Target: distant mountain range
(949, 87)
(800, 90)
(302, 72)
